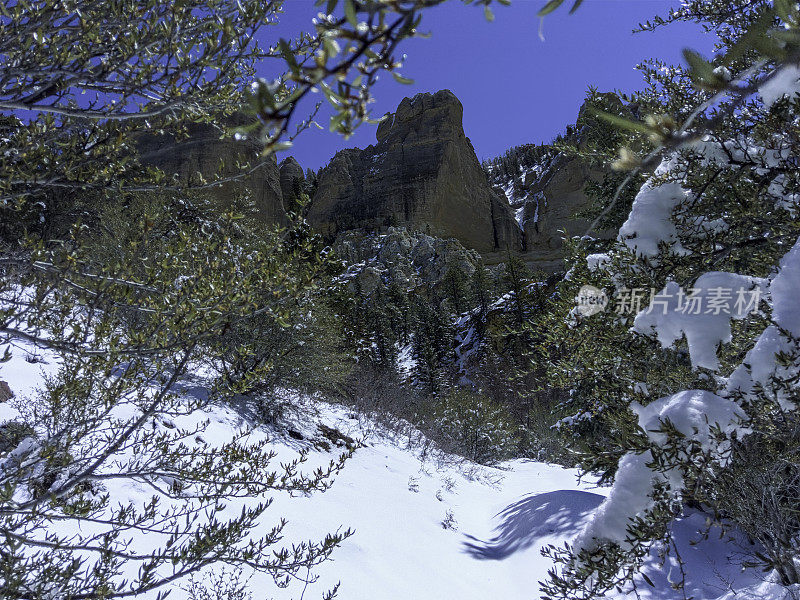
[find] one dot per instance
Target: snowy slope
(401, 549)
(505, 516)
(396, 502)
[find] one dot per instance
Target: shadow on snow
(560, 513)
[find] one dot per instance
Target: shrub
(475, 427)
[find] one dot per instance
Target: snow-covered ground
(397, 503)
(435, 528)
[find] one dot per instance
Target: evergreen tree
(474, 426)
(396, 300)
(454, 283)
(432, 343)
(479, 288)
(382, 318)
(515, 278)
(690, 412)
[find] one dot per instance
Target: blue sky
(515, 88)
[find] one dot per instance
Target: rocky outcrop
(422, 173)
(205, 156)
(556, 195)
(5, 392)
(292, 180)
(548, 188)
(553, 202)
(406, 257)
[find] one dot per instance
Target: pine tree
(454, 283)
(726, 172)
(473, 426)
(516, 279)
(479, 287)
(432, 343)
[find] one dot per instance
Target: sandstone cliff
(547, 190)
(422, 173)
(553, 200)
(199, 157)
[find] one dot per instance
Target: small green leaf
(621, 121)
(575, 6)
(770, 47)
(701, 68)
(331, 49)
(288, 55)
(350, 12)
(786, 10)
(550, 7)
(790, 36)
(277, 147)
(487, 12)
(336, 121)
(400, 79)
(750, 37)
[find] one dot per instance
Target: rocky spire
(423, 173)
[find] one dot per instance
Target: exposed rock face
(292, 179)
(5, 392)
(422, 173)
(198, 158)
(548, 189)
(410, 258)
(552, 203)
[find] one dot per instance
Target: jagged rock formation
(547, 189)
(553, 200)
(409, 258)
(199, 157)
(422, 173)
(292, 180)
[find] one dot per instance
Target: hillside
(426, 524)
(422, 174)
